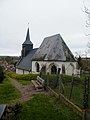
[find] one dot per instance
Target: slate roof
(53, 48)
(25, 63)
(27, 41)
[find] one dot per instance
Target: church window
(53, 69)
(63, 69)
(37, 67)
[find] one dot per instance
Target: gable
(53, 48)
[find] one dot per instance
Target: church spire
(27, 41)
(27, 46)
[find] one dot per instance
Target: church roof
(53, 48)
(25, 63)
(27, 41)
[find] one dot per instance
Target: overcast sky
(46, 18)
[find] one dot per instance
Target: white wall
(26, 72)
(19, 71)
(69, 68)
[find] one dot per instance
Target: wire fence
(72, 87)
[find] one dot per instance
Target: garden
(73, 86)
(40, 106)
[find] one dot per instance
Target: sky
(45, 18)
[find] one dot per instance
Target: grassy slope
(25, 82)
(42, 107)
(77, 94)
(8, 93)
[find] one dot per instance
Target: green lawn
(40, 107)
(43, 107)
(25, 82)
(77, 94)
(8, 93)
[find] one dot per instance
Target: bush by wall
(68, 79)
(52, 77)
(65, 78)
(22, 76)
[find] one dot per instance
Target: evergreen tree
(1, 74)
(80, 62)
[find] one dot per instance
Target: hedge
(65, 78)
(22, 76)
(52, 77)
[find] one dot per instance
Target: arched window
(70, 69)
(43, 69)
(63, 69)
(53, 69)
(37, 67)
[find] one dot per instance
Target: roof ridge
(52, 36)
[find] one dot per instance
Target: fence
(72, 90)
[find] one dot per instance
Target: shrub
(22, 76)
(1, 74)
(53, 80)
(68, 79)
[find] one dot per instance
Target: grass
(40, 107)
(25, 82)
(77, 94)
(8, 93)
(43, 107)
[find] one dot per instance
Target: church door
(53, 69)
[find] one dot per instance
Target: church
(52, 54)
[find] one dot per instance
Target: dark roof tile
(26, 62)
(53, 48)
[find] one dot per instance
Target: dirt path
(26, 90)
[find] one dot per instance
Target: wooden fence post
(72, 84)
(40, 73)
(48, 79)
(61, 86)
(86, 97)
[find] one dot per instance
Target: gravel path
(26, 90)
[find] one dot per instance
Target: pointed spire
(27, 46)
(27, 41)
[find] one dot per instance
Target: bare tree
(87, 12)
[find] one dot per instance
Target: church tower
(27, 46)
